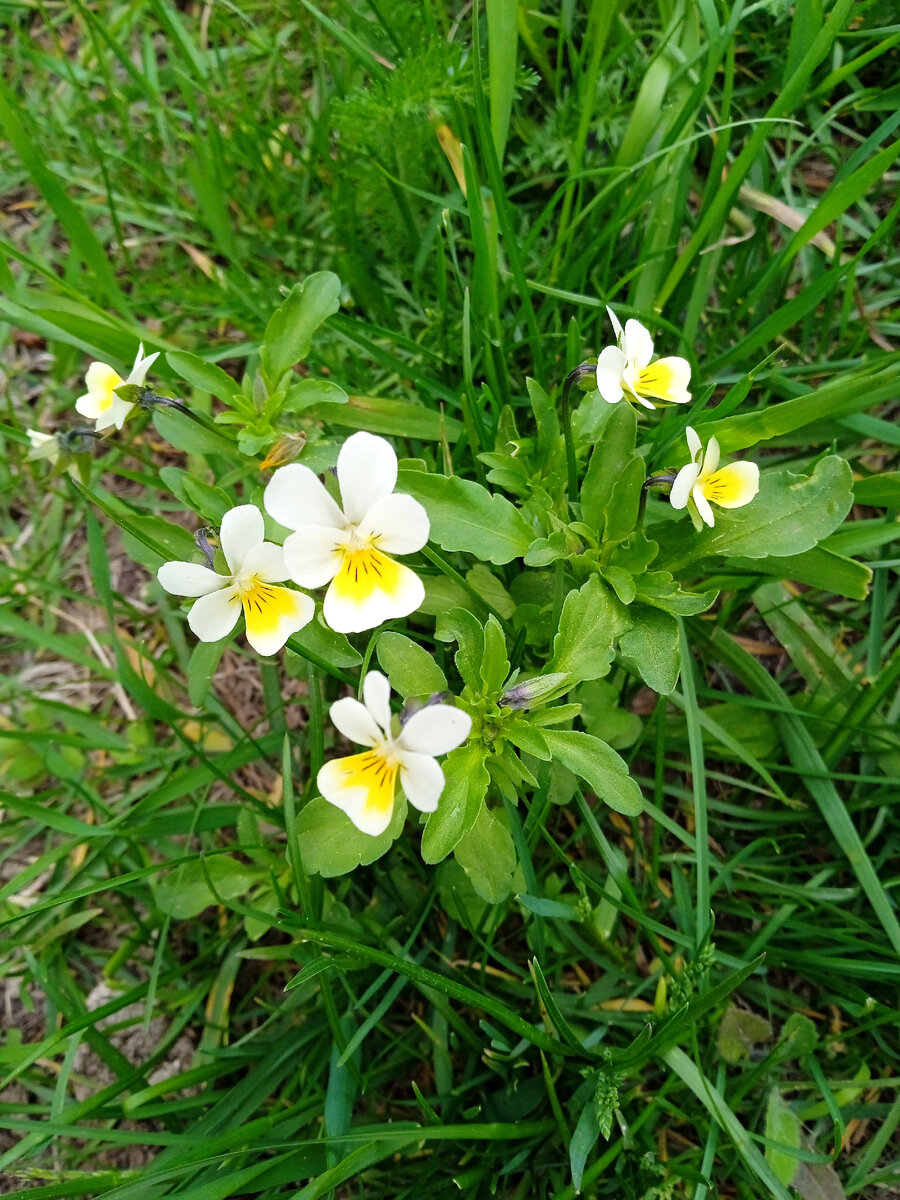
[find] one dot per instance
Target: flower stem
(572, 378)
(451, 572)
(653, 481)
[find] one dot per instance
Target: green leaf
(205, 659)
(611, 453)
(605, 773)
(326, 644)
(487, 855)
(190, 435)
(209, 501)
(165, 540)
(584, 1139)
(460, 803)
(410, 669)
(549, 445)
(624, 504)
(187, 890)
(591, 620)
(790, 515)
(289, 333)
(306, 392)
(739, 1031)
(400, 418)
(495, 661)
(602, 714)
(330, 844)
(465, 516)
(819, 567)
(881, 491)
(203, 375)
(660, 590)
(459, 625)
(782, 1125)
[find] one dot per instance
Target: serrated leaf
(459, 625)
(650, 648)
(659, 589)
(591, 620)
(203, 375)
(291, 328)
(466, 783)
(465, 516)
(204, 498)
(605, 773)
(330, 844)
(410, 669)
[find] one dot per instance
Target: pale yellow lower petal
(363, 786)
(272, 614)
(732, 486)
(666, 379)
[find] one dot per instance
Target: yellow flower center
(365, 570)
(656, 380)
(375, 771)
(265, 605)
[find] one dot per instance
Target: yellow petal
(363, 786)
(369, 588)
(732, 486)
(666, 379)
(272, 614)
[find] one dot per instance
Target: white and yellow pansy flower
(363, 785)
(351, 549)
(625, 370)
(271, 613)
(703, 482)
(100, 402)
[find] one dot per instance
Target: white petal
(694, 443)
(242, 529)
(684, 481)
(367, 472)
(113, 414)
(610, 367)
(296, 497)
(377, 699)
(703, 507)
(266, 562)
(369, 808)
(422, 781)
(141, 366)
(190, 579)
(214, 616)
(353, 613)
(313, 556)
(285, 613)
(435, 729)
(617, 328)
(355, 722)
(397, 524)
(638, 345)
(711, 458)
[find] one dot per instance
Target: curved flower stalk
(271, 613)
(100, 402)
(625, 370)
(351, 549)
(363, 785)
(702, 482)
